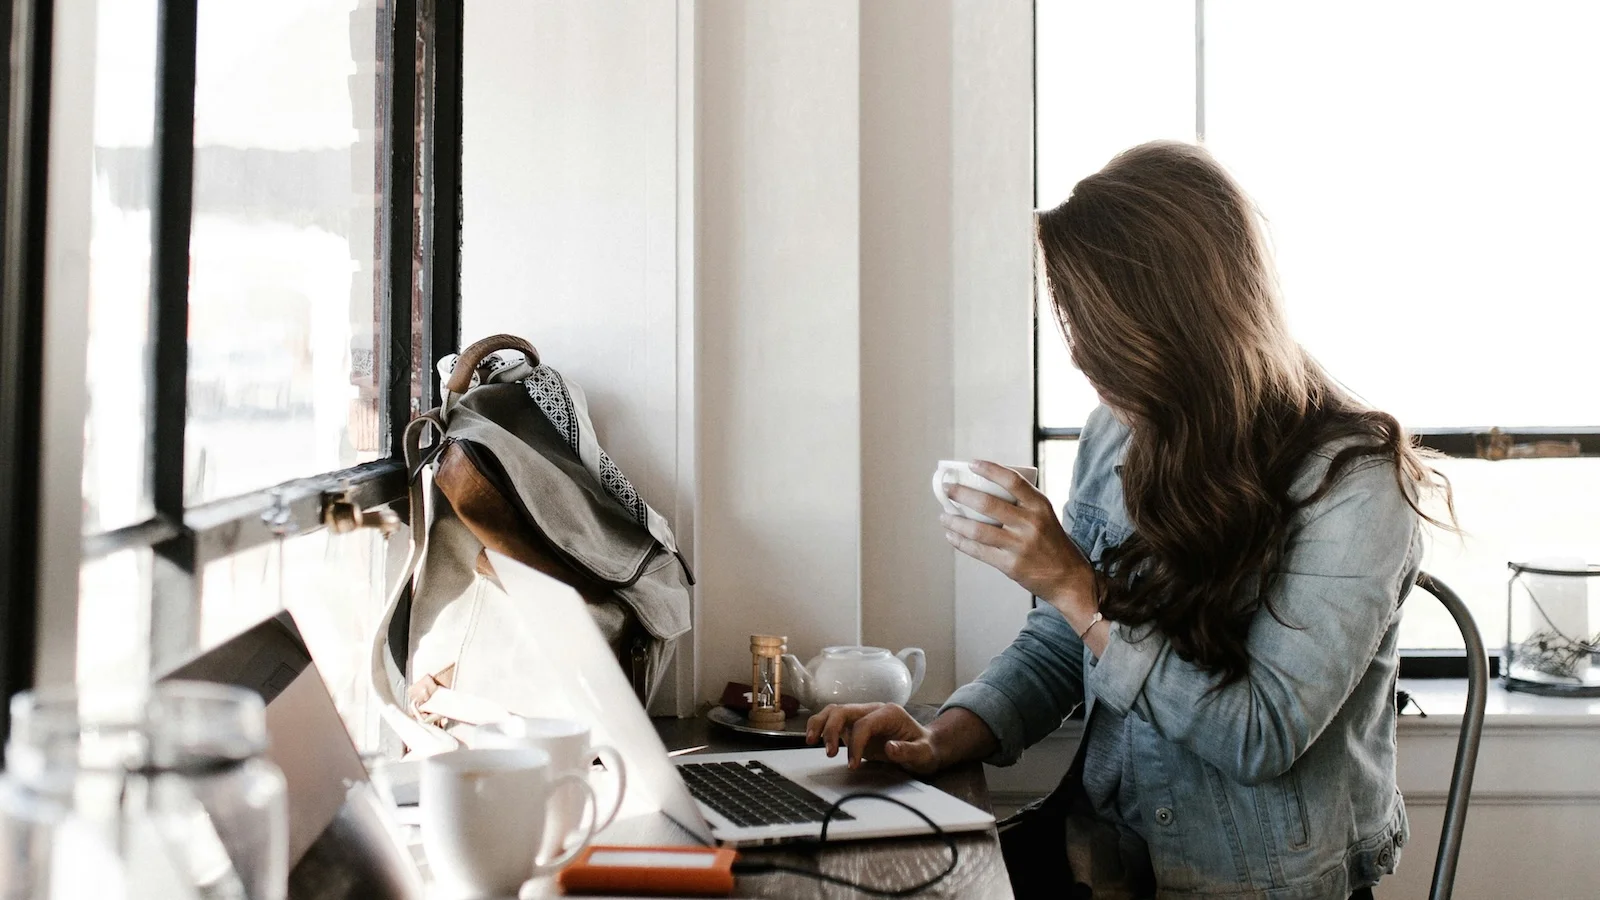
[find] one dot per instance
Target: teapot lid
(855, 652)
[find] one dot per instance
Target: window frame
(184, 539)
(1469, 442)
(25, 107)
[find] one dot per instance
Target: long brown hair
(1162, 285)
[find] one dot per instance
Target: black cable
(742, 867)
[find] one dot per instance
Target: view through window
(286, 313)
(1425, 175)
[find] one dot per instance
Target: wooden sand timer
(766, 680)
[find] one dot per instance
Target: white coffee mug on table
(485, 815)
(951, 471)
(571, 750)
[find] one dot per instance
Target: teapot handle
(917, 662)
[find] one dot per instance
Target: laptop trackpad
(877, 779)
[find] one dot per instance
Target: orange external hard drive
(657, 871)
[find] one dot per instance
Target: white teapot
(854, 675)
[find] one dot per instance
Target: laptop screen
(341, 840)
(581, 680)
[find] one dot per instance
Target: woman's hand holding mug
(1027, 544)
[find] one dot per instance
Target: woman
(1222, 592)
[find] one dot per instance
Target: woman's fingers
(982, 532)
(832, 725)
(862, 733)
(1029, 546)
(817, 725)
(870, 731)
(814, 724)
(874, 731)
(1003, 511)
(870, 734)
(1028, 496)
(834, 721)
(984, 553)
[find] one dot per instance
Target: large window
(1425, 173)
(272, 257)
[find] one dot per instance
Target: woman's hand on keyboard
(875, 731)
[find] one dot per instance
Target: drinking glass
(171, 781)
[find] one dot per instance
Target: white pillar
(864, 309)
(907, 342)
(992, 289)
(778, 314)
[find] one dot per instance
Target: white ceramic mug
(951, 471)
(568, 743)
(485, 814)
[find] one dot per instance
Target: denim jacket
(1281, 785)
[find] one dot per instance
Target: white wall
(571, 219)
(907, 397)
(864, 233)
(991, 257)
(779, 249)
(853, 184)
(569, 192)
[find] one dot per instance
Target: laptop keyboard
(753, 794)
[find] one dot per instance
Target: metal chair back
(1455, 807)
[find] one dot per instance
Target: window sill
(1535, 751)
(1444, 700)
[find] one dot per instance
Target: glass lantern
(1553, 629)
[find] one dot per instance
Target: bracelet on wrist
(1096, 620)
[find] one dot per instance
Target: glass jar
(29, 826)
(1552, 629)
(173, 780)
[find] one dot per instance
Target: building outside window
(309, 304)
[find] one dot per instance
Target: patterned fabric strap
(549, 390)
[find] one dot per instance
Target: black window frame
(421, 106)
(25, 95)
(1484, 442)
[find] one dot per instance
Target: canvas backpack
(513, 466)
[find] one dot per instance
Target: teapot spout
(796, 680)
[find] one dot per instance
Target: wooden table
(891, 863)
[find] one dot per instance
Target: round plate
(794, 727)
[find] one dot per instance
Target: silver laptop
(343, 842)
(737, 799)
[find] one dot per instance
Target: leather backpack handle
(467, 363)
